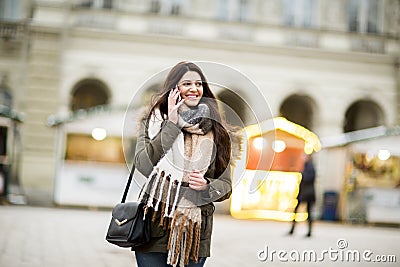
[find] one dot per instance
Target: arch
(363, 114)
(149, 92)
(237, 104)
(89, 93)
(299, 109)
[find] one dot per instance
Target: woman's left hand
(197, 181)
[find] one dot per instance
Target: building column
(328, 122)
(41, 100)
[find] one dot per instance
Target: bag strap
(128, 184)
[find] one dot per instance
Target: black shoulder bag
(128, 227)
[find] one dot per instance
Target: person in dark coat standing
(306, 193)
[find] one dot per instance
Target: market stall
(267, 178)
(371, 176)
(94, 151)
(373, 179)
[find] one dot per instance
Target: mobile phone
(179, 96)
(178, 99)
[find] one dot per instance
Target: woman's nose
(193, 87)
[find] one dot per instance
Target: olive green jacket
(148, 153)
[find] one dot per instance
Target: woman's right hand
(173, 106)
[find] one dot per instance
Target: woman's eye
(186, 84)
(198, 84)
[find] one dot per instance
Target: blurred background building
(72, 68)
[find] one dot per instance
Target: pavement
(46, 236)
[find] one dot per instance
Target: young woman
(184, 150)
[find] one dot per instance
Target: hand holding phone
(174, 102)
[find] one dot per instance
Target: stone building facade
(332, 66)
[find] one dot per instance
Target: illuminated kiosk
(267, 176)
(367, 164)
(91, 165)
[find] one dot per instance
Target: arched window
(298, 109)
(361, 115)
(236, 107)
(89, 93)
(149, 92)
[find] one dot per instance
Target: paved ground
(32, 236)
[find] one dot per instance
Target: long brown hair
(219, 125)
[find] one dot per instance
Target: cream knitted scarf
(168, 184)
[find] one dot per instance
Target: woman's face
(191, 88)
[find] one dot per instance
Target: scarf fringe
(184, 239)
(183, 222)
(176, 200)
